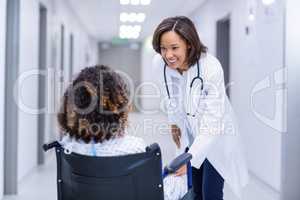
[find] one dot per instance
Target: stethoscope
(198, 77)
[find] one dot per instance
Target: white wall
(27, 137)
(127, 59)
(151, 100)
(291, 149)
(2, 82)
(58, 12)
(123, 58)
(254, 57)
(84, 46)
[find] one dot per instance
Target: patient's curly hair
(95, 106)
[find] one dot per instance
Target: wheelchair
(130, 177)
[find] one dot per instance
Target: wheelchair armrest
(177, 163)
(152, 148)
(51, 145)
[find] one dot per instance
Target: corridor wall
(2, 81)
(150, 101)
(58, 13)
(256, 60)
(291, 147)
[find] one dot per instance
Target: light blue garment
(93, 150)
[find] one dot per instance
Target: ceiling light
(251, 17)
(135, 35)
(135, 2)
(130, 32)
(122, 35)
(145, 2)
(268, 2)
(123, 17)
(124, 2)
(132, 17)
(140, 17)
(137, 28)
(124, 28)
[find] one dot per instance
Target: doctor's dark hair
(95, 106)
(185, 28)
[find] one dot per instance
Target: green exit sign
(118, 41)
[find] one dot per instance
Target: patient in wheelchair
(94, 116)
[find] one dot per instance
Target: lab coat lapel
(171, 73)
(173, 101)
(192, 96)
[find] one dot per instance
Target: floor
(40, 183)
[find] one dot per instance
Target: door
(223, 49)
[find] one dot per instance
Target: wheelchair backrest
(130, 177)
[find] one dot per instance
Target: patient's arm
(175, 187)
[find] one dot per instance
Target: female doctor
(199, 111)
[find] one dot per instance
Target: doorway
(223, 49)
(42, 81)
(11, 107)
(62, 58)
(71, 57)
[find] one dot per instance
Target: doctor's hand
(181, 171)
(176, 134)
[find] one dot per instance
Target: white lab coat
(214, 126)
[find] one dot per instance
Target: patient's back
(119, 146)
(174, 187)
(133, 176)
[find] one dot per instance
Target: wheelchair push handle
(183, 159)
(51, 145)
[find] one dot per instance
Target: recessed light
(268, 2)
(130, 32)
(132, 17)
(124, 2)
(145, 2)
(135, 2)
(251, 17)
(140, 17)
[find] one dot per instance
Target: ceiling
(102, 17)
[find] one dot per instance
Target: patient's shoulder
(132, 144)
(124, 145)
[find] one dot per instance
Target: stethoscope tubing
(191, 84)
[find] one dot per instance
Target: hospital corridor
(46, 46)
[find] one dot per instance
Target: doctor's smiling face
(177, 41)
(174, 49)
